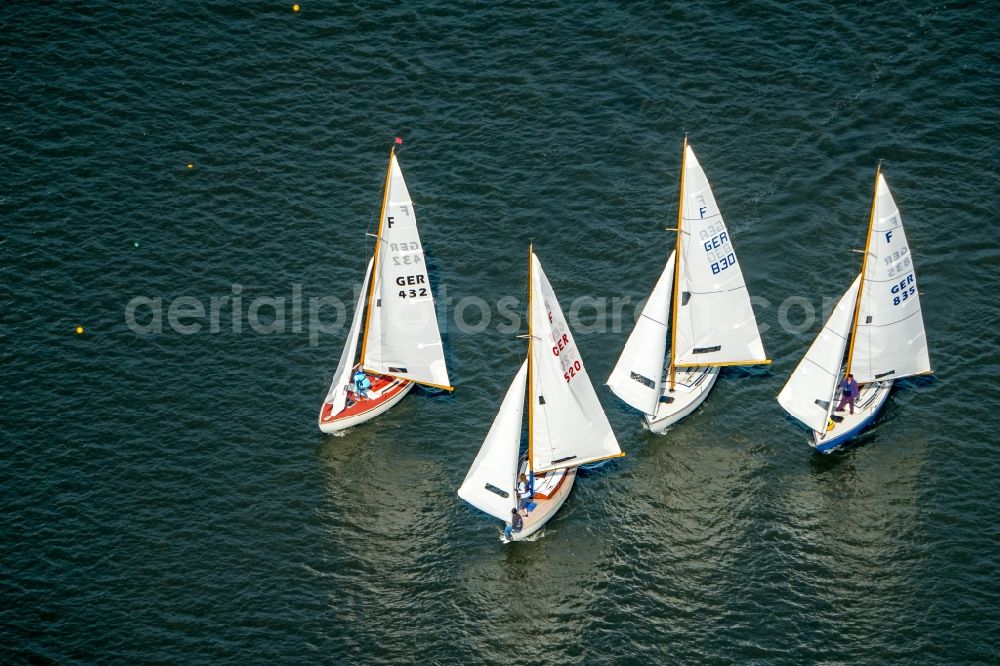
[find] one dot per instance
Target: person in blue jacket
(516, 524)
(361, 385)
(523, 495)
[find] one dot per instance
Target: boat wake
(534, 537)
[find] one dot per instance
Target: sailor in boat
(361, 385)
(523, 495)
(849, 391)
(516, 524)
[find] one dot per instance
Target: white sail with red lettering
(568, 425)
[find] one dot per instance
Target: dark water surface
(168, 497)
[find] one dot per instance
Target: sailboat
(879, 323)
(567, 426)
(400, 340)
(701, 303)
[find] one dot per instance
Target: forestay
(715, 321)
(890, 341)
(568, 424)
(809, 391)
(402, 338)
(638, 376)
(337, 395)
(490, 484)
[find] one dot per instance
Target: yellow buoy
(79, 330)
(295, 8)
(190, 165)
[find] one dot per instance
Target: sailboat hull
(551, 493)
(870, 400)
(385, 392)
(690, 390)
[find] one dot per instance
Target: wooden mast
(864, 266)
(677, 268)
(378, 244)
(531, 400)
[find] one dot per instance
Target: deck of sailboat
(870, 399)
(691, 388)
(385, 392)
(545, 507)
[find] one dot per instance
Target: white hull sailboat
(567, 426)
(877, 322)
(701, 302)
(400, 340)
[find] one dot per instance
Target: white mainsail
(402, 337)
(809, 391)
(638, 376)
(889, 341)
(337, 395)
(490, 484)
(569, 427)
(715, 320)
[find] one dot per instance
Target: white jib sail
(890, 341)
(403, 337)
(809, 390)
(337, 395)
(638, 376)
(490, 484)
(569, 427)
(715, 321)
